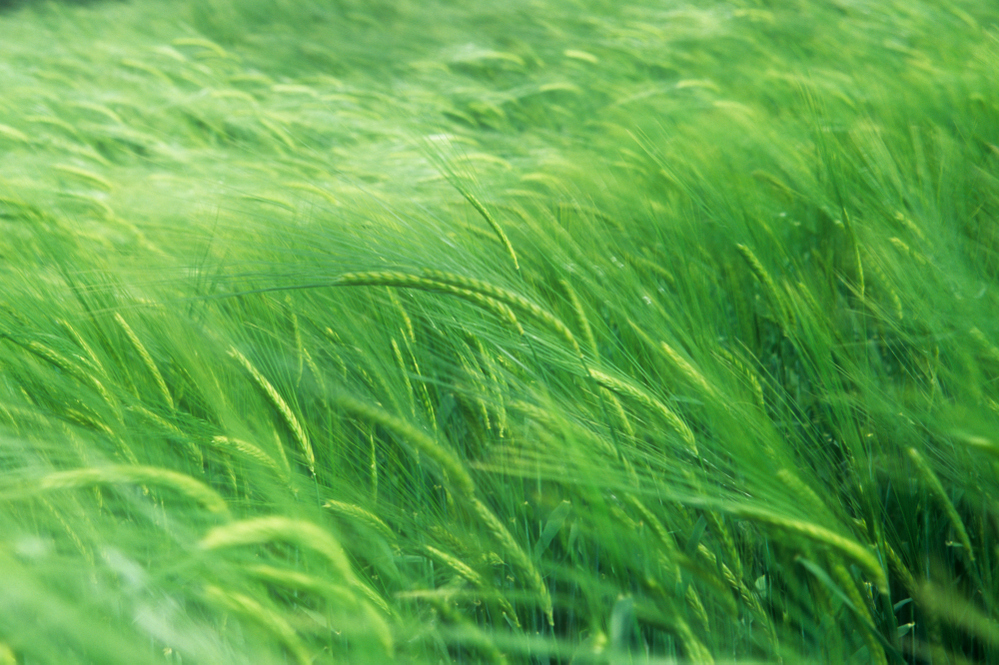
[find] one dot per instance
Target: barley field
(536, 331)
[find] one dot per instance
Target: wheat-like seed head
(451, 464)
(263, 530)
(361, 515)
(509, 298)
(645, 399)
(493, 223)
(936, 488)
(408, 281)
(849, 586)
(770, 290)
(687, 369)
(242, 604)
(281, 406)
(518, 557)
(455, 564)
(581, 320)
(126, 474)
(251, 451)
(404, 372)
(820, 535)
(53, 357)
(194, 451)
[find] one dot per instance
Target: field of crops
(536, 331)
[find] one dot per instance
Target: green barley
(404, 373)
(82, 343)
(627, 389)
(449, 463)
(581, 320)
(770, 291)
(819, 535)
(749, 374)
(481, 209)
(281, 406)
(265, 530)
(361, 515)
(69, 367)
(518, 557)
(688, 370)
(253, 452)
(508, 298)
(120, 474)
(935, 487)
(175, 432)
(454, 564)
(849, 586)
(269, 619)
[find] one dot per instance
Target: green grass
(522, 332)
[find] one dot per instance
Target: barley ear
(454, 470)
(270, 620)
(281, 406)
(124, 474)
(517, 556)
(770, 291)
(147, 359)
(268, 529)
(936, 488)
(497, 229)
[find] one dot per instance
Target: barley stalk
(407, 322)
(405, 376)
(450, 463)
(777, 306)
(196, 455)
(281, 406)
(242, 604)
(518, 557)
(748, 373)
(687, 369)
(299, 346)
(251, 451)
(481, 209)
(82, 343)
(618, 409)
(936, 489)
(341, 598)
(455, 564)
(817, 534)
(122, 474)
(849, 585)
(361, 515)
(147, 359)
(509, 298)
(498, 393)
(295, 579)
(581, 320)
(268, 529)
(645, 399)
(803, 492)
(409, 281)
(696, 651)
(67, 366)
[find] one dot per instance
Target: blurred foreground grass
(455, 332)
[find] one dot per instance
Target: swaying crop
(518, 332)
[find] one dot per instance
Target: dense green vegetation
(523, 332)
